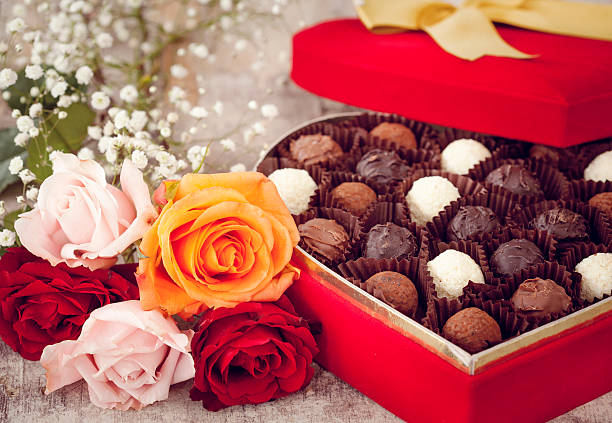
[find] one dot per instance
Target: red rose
(42, 305)
(250, 354)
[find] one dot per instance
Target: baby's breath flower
(252, 105)
(26, 176)
(85, 154)
(94, 132)
(33, 72)
(199, 50)
(24, 123)
(218, 108)
(269, 111)
(99, 100)
(64, 101)
(129, 94)
(104, 40)
(33, 132)
(7, 238)
(35, 110)
(14, 26)
(259, 128)
(15, 165)
(138, 120)
(178, 71)
(62, 115)
(165, 132)
(32, 193)
(83, 75)
(21, 139)
(139, 159)
(198, 112)
(7, 78)
(228, 144)
(238, 167)
(2, 209)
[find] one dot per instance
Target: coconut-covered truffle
(428, 197)
(472, 329)
(596, 271)
(395, 132)
(295, 187)
(451, 271)
(600, 168)
(461, 155)
(394, 289)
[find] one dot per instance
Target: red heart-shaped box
(561, 98)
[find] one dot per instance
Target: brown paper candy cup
(583, 190)
(585, 155)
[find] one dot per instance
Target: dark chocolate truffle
(472, 329)
(516, 255)
(390, 241)
(562, 224)
(540, 298)
(326, 237)
(315, 149)
(471, 221)
(382, 167)
(603, 202)
(548, 154)
(394, 289)
(395, 132)
(354, 197)
(516, 179)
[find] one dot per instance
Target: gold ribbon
(467, 31)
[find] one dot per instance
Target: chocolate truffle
(325, 237)
(461, 155)
(295, 187)
(516, 255)
(600, 169)
(452, 271)
(548, 154)
(395, 132)
(515, 179)
(354, 197)
(394, 289)
(472, 329)
(382, 167)
(428, 197)
(539, 298)
(315, 149)
(562, 224)
(603, 202)
(596, 272)
(390, 241)
(471, 221)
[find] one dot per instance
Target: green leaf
(67, 135)
(9, 219)
(8, 150)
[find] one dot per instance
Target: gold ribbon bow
(467, 31)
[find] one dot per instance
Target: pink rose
(82, 220)
(128, 357)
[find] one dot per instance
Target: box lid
(561, 98)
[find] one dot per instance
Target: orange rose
(219, 241)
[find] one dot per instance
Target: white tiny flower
(3, 47)
(26, 176)
(7, 238)
(7, 78)
(35, 110)
(84, 75)
(85, 154)
(238, 167)
(33, 132)
(33, 72)
(112, 112)
(15, 165)
(24, 123)
(218, 108)
(16, 25)
(111, 154)
(259, 128)
(198, 112)
(269, 111)
(59, 89)
(165, 132)
(104, 144)
(15, 113)
(228, 144)
(64, 101)
(62, 115)
(6, 96)
(109, 129)
(2, 208)
(176, 94)
(21, 139)
(276, 9)
(32, 193)
(178, 71)
(128, 93)
(172, 118)
(240, 45)
(104, 40)
(226, 5)
(199, 50)
(252, 105)
(20, 200)
(34, 92)
(138, 120)
(248, 135)
(121, 119)
(99, 100)
(94, 132)
(139, 158)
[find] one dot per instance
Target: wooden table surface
(327, 399)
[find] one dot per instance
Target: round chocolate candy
(471, 221)
(326, 237)
(472, 329)
(516, 179)
(548, 154)
(395, 132)
(603, 202)
(390, 241)
(394, 289)
(539, 298)
(562, 224)
(315, 149)
(516, 255)
(354, 197)
(382, 167)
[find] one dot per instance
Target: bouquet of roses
(214, 251)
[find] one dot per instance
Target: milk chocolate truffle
(396, 290)
(472, 329)
(516, 255)
(428, 197)
(354, 197)
(295, 187)
(382, 167)
(390, 241)
(471, 221)
(325, 237)
(451, 271)
(596, 273)
(562, 224)
(462, 155)
(516, 179)
(548, 154)
(539, 298)
(395, 132)
(603, 202)
(600, 169)
(315, 149)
